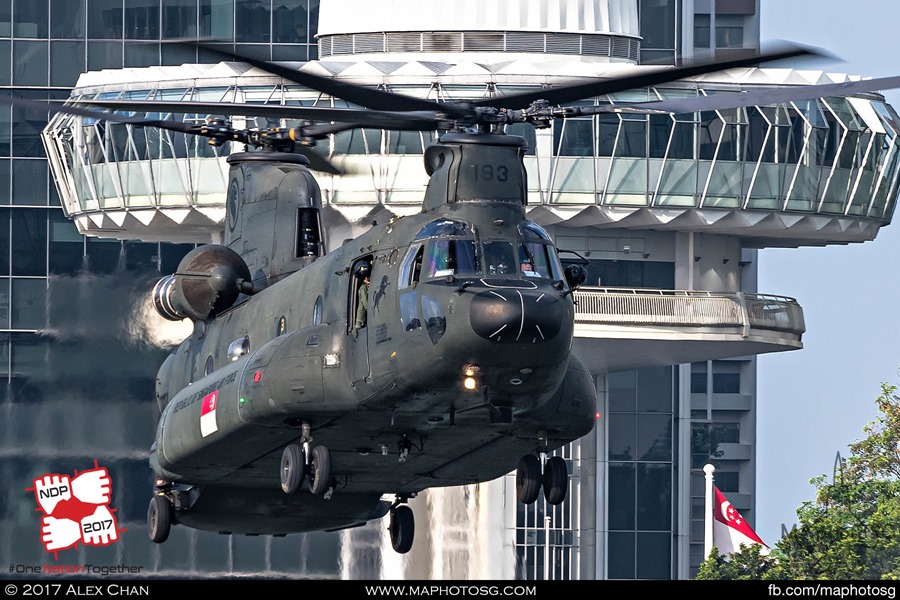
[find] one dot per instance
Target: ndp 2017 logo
(76, 509)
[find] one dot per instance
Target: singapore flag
(730, 530)
(208, 423)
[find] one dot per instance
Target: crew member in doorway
(362, 303)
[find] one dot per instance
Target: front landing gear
(299, 461)
(294, 469)
(320, 471)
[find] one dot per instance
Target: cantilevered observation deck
(808, 173)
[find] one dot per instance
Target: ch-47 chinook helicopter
(433, 350)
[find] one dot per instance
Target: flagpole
(708, 520)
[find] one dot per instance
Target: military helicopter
(433, 350)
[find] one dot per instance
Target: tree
(743, 565)
(849, 532)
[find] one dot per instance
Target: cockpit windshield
(450, 251)
(450, 257)
(448, 247)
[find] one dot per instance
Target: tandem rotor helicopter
(433, 350)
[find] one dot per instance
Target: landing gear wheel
(528, 479)
(159, 519)
(292, 468)
(402, 529)
(320, 470)
(556, 480)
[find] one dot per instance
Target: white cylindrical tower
(588, 29)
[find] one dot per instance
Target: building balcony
(735, 452)
(618, 329)
(722, 402)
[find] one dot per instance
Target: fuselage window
(209, 366)
(238, 348)
(317, 311)
(281, 328)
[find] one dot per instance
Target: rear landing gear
(528, 479)
(555, 480)
(159, 519)
(402, 528)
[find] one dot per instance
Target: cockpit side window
(537, 255)
(411, 268)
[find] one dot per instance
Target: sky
(814, 402)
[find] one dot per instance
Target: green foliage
(744, 565)
(850, 531)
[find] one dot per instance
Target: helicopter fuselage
(401, 381)
(461, 364)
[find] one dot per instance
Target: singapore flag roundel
(730, 530)
(208, 423)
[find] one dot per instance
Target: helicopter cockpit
(452, 248)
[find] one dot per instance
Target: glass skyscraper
(77, 369)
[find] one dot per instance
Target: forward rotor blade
(357, 94)
(323, 129)
(751, 98)
(573, 93)
(416, 121)
(317, 162)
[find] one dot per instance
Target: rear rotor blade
(357, 94)
(751, 98)
(573, 93)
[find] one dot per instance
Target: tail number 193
(491, 173)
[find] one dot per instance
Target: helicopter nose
(516, 316)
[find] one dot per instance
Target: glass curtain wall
(77, 370)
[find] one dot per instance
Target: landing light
(470, 383)
(471, 370)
